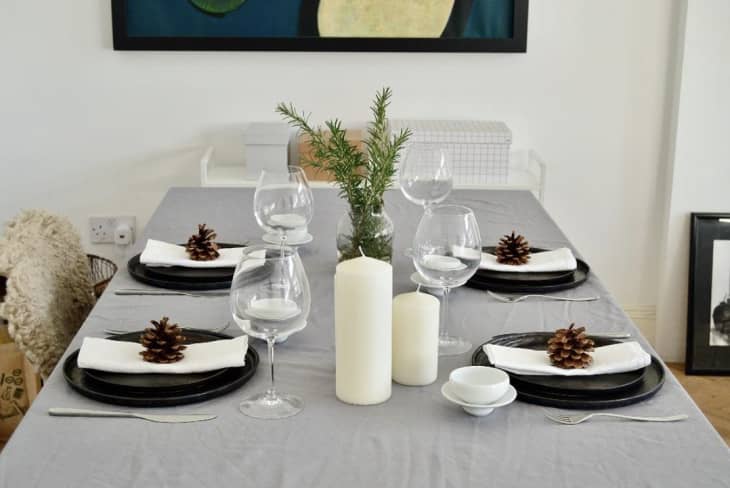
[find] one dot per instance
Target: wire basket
(102, 272)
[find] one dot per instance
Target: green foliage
(361, 177)
(217, 7)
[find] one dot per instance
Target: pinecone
(202, 246)
(163, 342)
(569, 348)
(513, 250)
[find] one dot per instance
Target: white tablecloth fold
(560, 259)
(616, 358)
(159, 253)
(123, 357)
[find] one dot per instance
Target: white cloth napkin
(159, 253)
(123, 357)
(560, 259)
(616, 358)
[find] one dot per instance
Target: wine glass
(447, 251)
(425, 175)
(270, 299)
(283, 203)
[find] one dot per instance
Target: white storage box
(479, 150)
(267, 147)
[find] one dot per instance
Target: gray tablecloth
(415, 439)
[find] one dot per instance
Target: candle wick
(418, 289)
(362, 253)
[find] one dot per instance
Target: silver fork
(577, 419)
(217, 329)
(507, 299)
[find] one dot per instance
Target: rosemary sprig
(362, 177)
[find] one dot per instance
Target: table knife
(171, 418)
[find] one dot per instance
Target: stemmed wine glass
(283, 203)
(425, 175)
(447, 251)
(270, 298)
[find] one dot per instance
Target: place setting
(513, 266)
(571, 368)
(283, 207)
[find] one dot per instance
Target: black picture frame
(708, 319)
(123, 42)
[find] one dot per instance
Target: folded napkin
(123, 357)
(159, 253)
(561, 259)
(616, 358)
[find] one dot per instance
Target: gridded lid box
(478, 150)
(467, 131)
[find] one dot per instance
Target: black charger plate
(530, 278)
(149, 390)
(608, 391)
(181, 278)
(576, 278)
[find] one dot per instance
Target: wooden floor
(711, 394)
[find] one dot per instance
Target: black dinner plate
(182, 278)
(601, 383)
(608, 391)
(542, 278)
(576, 278)
(156, 382)
(141, 391)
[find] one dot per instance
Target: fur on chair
(48, 286)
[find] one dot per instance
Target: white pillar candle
(363, 331)
(415, 339)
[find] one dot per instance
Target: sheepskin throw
(48, 289)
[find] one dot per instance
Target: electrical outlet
(103, 229)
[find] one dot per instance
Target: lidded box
(267, 147)
(479, 149)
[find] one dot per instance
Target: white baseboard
(644, 316)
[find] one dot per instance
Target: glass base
(271, 406)
(453, 346)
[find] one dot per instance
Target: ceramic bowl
(479, 384)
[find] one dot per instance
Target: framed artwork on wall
(321, 25)
(708, 310)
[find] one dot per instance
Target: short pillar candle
(363, 330)
(415, 339)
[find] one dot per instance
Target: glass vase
(365, 233)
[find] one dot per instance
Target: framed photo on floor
(321, 25)
(708, 314)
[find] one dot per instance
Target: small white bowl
(478, 410)
(479, 385)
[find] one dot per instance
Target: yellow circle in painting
(383, 18)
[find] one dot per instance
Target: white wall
(87, 130)
(700, 175)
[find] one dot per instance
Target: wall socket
(103, 229)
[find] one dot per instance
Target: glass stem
(271, 392)
(444, 332)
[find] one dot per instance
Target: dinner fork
(507, 299)
(577, 419)
(216, 330)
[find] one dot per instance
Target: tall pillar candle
(415, 339)
(363, 330)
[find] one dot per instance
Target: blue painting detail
(490, 19)
(180, 18)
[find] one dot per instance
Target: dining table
(416, 438)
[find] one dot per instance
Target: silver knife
(140, 291)
(172, 418)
